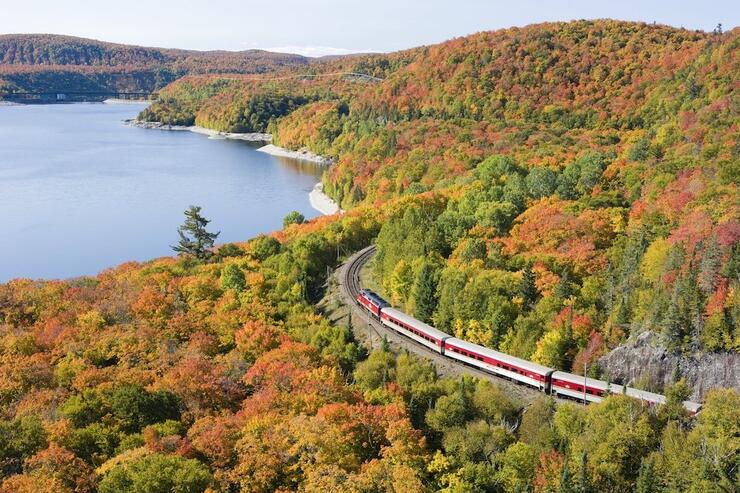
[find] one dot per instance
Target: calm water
(80, 191)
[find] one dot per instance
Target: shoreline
(126, 101)
(303, 154)
(211, 134)
(317, 198)
(322, 202)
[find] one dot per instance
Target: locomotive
(547, 380)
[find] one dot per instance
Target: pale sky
(330, 26)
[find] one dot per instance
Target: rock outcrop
(645, 359)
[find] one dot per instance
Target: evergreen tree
(711, 263)
(732, 267)
(294, 217)
(425, 292)
(527, 288)
(584, 481)
(566, 482)
(564, 290)
(195, 240)
(672, 323)
(673, 409)
(569, 346)
(646, 481)
(385, 345)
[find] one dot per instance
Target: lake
(80, 191)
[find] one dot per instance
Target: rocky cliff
(645, 359)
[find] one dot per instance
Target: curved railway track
(349, 286)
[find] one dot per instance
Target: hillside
(219, 376)
(577, 180)
(53, 63)
(560, 192)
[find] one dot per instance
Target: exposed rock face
(646, 358)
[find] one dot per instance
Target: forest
(53, 63)
(562, 204)
(551, 191)
(219, 375)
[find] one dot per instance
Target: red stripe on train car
(413, 330)
(497, 363)
(577, 387)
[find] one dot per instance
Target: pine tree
(584, 481)
(425, 292)
(566, 482)
(294, 217)
(709, 268)
(527, 288)
(385, 345)
(672, 323)
(568, 346)
(563, 290)
(646, 482)
(195, 240)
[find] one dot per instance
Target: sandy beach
(302, 154)
(322, 202)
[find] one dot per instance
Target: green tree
(566, 481)
(135, 407)
(673, 409)
(425, 291)
(527, 288)
(195, 240)
(294, 217)
(477, 441)
(536, 428)
(19, 440)
(518, 464)
(157, 473)
(618, 433)
(564, 289)
(541, 182)
(584, 479)
(232, 277)
(94, 443)
(376, 371)
(497, 215)
(451, 410)
(646, 480)
(401, 282)
(264, 247)
(709, 268)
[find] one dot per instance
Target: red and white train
(547, 380)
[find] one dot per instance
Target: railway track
(350, 285)
(354, 266)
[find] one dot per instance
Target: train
(547, 380)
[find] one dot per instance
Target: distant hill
(53, 63)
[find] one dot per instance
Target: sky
(321, 27)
